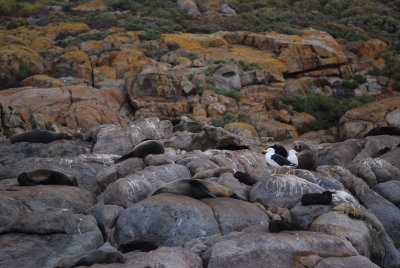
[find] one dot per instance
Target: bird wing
(281, 160)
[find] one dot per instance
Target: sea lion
(197, 189)
(307, 158)
(142, 149)
(46, 176)
(245, 178)
(394, 131)
(317, 199)
(103, 255)
(40, 136)
(275, 226)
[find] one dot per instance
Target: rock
(198, 165)
(18, 57)
(235, 215)
(114, 139)
(340, 225)
(242, 129)
(63, 233)
(389, 190)
(75, 62)
(282, 190)
(138, 186)
(95, 5)
(41, 81)
(74, 107)
(257, 249)
(342, 153)
(106, 217)
(162, 257)
(377, 146)
(301, 122)
(189, 8)
(183, 218)
(226, 10)
(157, 160)
(356, 122)
(16, 201)
(374, 170)
(103, 255)
(228, 180)
(226, 78)
(303, 216)
(212, 173)
(279, 131)
(7, 81)
(354, 261)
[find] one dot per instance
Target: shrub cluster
(230, 118)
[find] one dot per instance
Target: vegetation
(240, 64)
(350, 83)
(84, 37)
(391, 69)
(228, 93)
(23, 72)
(230, 118)
(327, 111)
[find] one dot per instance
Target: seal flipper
(122, 158)
(199, 185)
(238, 197)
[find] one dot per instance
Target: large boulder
(165, 220)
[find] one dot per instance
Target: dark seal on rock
(317, 199)
(46, 176)
(40, 136)
(245, 178)
(103, 255)
(394, 131)
(276, 226)
(307, 158)
(142, 149)
(197, 189)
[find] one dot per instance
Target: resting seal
(46, 176)
(142, 149)
(317, 199)
(275, 226)
(197, 189)
(245, 178)
(40, 136)
(307, 158)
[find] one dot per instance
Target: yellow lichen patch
(129, 60)
(12, 56)
(42, 44)
(103, 73)
(116, 29)
(241, 128)
(73, 28)
(92, 6)
(119, 38)
(42, 81)
(188, 42)
(76, 55)
(7, 39)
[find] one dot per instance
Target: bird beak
(264, 152)
(297, 152)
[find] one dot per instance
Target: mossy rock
(242, 129)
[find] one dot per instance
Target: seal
(245, 178)
(197, 189)
(40, 136)
(103, 255)
(275, 226)
(307, 158)
(142, 149)
(393, 131)
(46, 176)
(317, 199)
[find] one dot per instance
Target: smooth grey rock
(282, 190)
(226, 78)
(235, 215)
(303, 216)
(340, 225)
(117, 140)
(330, 184)
(277, 250)
(199, 165)
(16, 200)
(344, 262)
(165, 220)
(228, 180)
(342, 153)
(392, 157)
(157, 160)
(133, 188)
(166, 257)
(66, 233)
(106, 216)
(389, 190)
(376, 146)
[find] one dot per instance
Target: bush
(30, 9)
(228, 93)
(150, 34)
(15, 23)
(230, 118)
(391, 69)
(84, 37)
(23, 72)
(350, 84)
(240, 64)
(360, 78)
(7, 6)
(364, 99)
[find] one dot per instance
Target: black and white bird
(279, 149)
(292, 157)
(276, 160)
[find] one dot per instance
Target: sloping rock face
(357, 122)
(75, 107)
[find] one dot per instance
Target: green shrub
(23, 72)
(190, 55)
(230, 118)
(350, 84)
(391, 69)
(240, 64)
(7, 6)
(228, 93)
(364, 99)
(360, 78)
(84, 37)
(30, 9)
(15, 23)
(150, 34)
